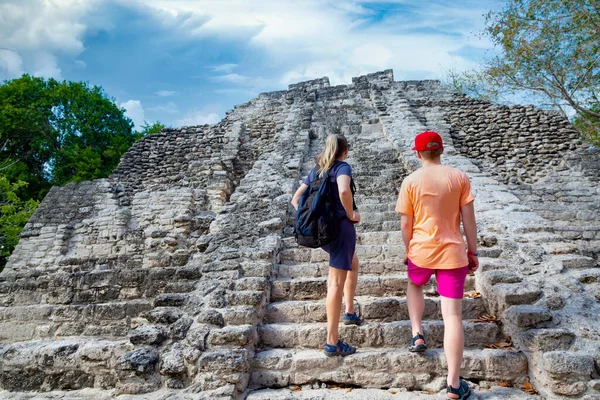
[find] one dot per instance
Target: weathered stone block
(274, 359)
(271, 379)
(512, 294)
(180, 328)
(141, 361)
(224, 361)
(170, 300)
(526, 316)
(197, 336)
(22, 380)
(172, 361)
(504, 365)
(568, 388)
(164, 315)
(212, 317)
(240, 336)
(568, 364)
(548, 339)
(148, 334)
(494, 277)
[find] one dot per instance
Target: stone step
(351, 393)
(97, 286)
(362, 238)
(371, 334)
(321, 269)
(363, 251)
(68, 364)
(574, 261)
(382, 368)
(387, 218)
(20, 323)
(370, 309)
(368, 285)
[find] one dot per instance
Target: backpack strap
(353, 190)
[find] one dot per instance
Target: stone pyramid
(178, 276)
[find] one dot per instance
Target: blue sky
(186, 62)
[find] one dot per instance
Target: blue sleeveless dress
(341, 251)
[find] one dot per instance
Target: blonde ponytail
(335, 145)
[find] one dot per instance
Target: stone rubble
(178, 277)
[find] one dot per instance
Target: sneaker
(417, 348)
(351, 319)
(341, 349)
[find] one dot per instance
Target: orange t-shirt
(433, 195)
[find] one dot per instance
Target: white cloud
(372, 54)
(314, 38)
(224, 68)
(233, 78)
(199, 118)
(166, 93)
(237, 91)
(169, 108)
(38, 31)
(11, 64)
(135, 111)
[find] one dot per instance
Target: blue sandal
(341, 349)
(417, 348)
(351, 319)
(463, 391)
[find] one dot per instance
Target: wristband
(472, 254)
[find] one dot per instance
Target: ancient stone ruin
(178, 276)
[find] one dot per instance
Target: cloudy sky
(186, 62)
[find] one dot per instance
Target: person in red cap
(432, 201)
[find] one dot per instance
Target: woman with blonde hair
(343, 263)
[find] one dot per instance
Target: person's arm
(406, 223)
(298, 194)
(470, 228)
(404, 206)
(343, 182)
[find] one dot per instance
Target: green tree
(14, 214)
(58, 132)
(548, 51)
(52, 133)
(151, 129)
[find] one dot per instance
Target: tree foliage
(548, 49)
(151, 129)
(14, 214)
(57, 132)
(53, 133)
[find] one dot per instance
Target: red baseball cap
(424, 138)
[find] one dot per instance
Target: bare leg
(416, 305)
(350, 287)
(335, 287)
(454, 339)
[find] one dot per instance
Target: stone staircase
(294, 328)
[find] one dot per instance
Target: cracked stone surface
(178, 277)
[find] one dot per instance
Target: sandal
(341, 349)
(417, 348)
(463, 391)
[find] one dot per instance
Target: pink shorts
(450, 282)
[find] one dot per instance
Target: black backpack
(315, 224)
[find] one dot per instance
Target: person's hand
(473, 262)
(355, 217)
